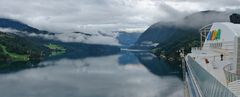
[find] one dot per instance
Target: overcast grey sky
(104, 15)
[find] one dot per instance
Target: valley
(97, 58)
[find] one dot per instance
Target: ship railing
(196, 49)
(209, 85)
(230, 76)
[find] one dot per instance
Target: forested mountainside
(166, 38)
(17, 48)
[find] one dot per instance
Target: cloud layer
(104, 15)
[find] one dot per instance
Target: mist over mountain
(19, 26)
(200, 19)
(168, 37)
(161, 32)
(19, 38)
(22, 29)
(89, 38)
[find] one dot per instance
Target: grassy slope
(14, 56)
(56, 49)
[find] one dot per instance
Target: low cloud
(104, 15)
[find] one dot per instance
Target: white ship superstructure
(213, 70)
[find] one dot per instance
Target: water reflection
(11, 67)
(157, 66)
(128, 58)
(106, 76)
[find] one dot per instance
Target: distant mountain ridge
(23, 29)
(127, 38)
(26, 39)
(17, 25)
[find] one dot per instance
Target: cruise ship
(213, 69)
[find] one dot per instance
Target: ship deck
(215, 67)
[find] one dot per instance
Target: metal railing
(203, 33)
(196, 49)
(209, 85)
(230, 76)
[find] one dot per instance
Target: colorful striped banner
(214, 35)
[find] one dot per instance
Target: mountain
(88, 38)
(117, 38)
(23, 46)
(22, 52)
(22, 29)
(127, 38)
(162, 32)
(168, 37)
(17, 25)
(18, 48)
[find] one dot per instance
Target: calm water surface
(122, 75)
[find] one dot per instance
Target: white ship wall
(228, 44)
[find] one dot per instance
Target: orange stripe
(213, 35)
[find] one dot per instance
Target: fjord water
(125, 74)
